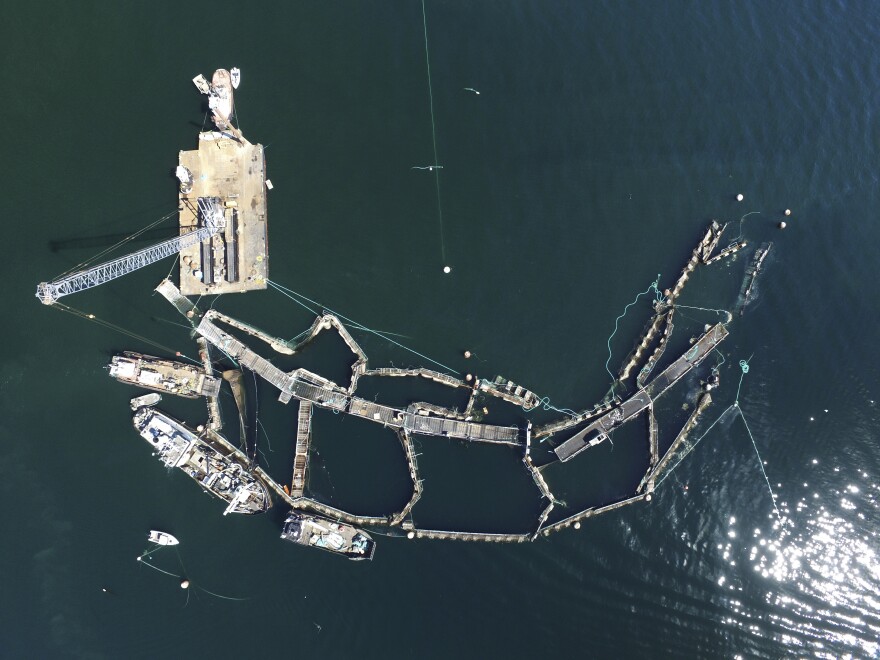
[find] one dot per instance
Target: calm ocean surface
(605, 136)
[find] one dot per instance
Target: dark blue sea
(604, 139)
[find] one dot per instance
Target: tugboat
(336, 537)
(219, 474)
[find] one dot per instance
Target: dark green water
(605, 137)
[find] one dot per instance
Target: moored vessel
(220, 98)
(162, 538)
(339, 538)
(166, 376)
(223, 475)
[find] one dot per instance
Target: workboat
(166, 376)
(336, 537)
(209, 464)
(220, 98)
(235, 74)
(162, 538)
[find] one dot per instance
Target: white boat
(235, 73)
(162, 538)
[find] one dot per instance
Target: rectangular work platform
(231, 170)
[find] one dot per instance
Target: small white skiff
(235, 74)
(162, 538)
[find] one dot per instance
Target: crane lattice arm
(210, 214)
(49, 292)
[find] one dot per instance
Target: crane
(213, 221)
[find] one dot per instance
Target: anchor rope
(744, 368)
(720, 312)
(133, 236)
(434, 136)
(156, 568)
(739, 238)
(112, 326)
(290, 292)
(546, 405)
(658, 297)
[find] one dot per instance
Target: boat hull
(324, 534)
(221, 474)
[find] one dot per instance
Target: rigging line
(739, 238)
(694, 446)
(256, 412)
(112, 326)
(313, 312)
(83, 264)
(654, 288)
(268, 441)
(363, 327)
(720, 312)
(760, 462)
(434, 136)
(218, 595)
(156, 568)
(171, 270)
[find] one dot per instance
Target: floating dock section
(598, 431)
(301, 458)
(292, 386)
(428, 419)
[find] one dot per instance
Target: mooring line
(653, 287)
(744, 367)
(434, 138)
(285, 291)
(760, 462)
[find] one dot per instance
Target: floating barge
(220, 474)
(228, 172)
(165, 376)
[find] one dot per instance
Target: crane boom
(49, 292)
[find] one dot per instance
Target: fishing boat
(235, 74)
(217, 470)
(336, 537)
(220, 98)
(162, 538)
(166, 376)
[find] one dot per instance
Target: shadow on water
(106, 240)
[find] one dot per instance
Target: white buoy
(469, 377)
(447, 269)
(137, 558)
(739, 197)
(467, 354)
(787, 211)
(648, 497)
(184, 584)
(782, 225)
(410, 535)
(577, 525)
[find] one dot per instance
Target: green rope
(720, 312)
(739, 238)
(744, 367)
(658, 297)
